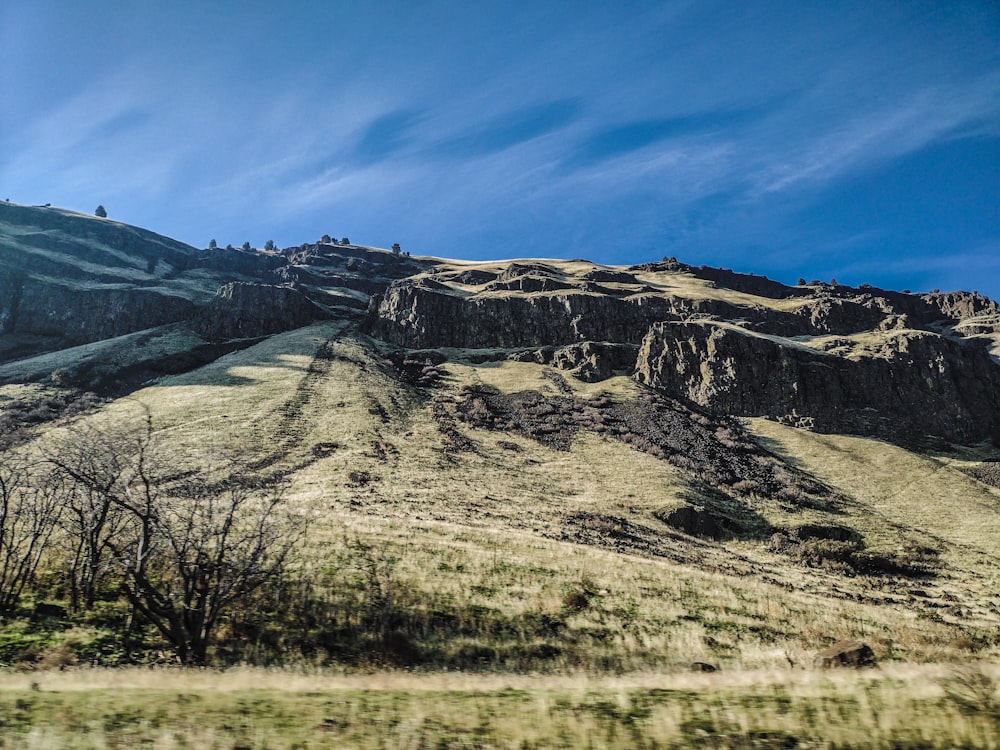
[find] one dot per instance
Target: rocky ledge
(904, 385)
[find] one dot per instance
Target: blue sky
(856, 140)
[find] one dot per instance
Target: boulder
(593, 362)
(846, 654)
(693, 521)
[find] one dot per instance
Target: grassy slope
(67, 236)
(109, 354)
(485, 535)
(892, 486)
(492, 526)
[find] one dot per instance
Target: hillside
(533, 465)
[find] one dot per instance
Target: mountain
(910, 368)
(560, 462)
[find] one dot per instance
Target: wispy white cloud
(598, 128)
(861, 140)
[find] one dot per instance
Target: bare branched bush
(199, 551)
(29, 510)
(183, 550)
(99, 471)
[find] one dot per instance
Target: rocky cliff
(243, 310)
(905, 385)
(828, 357)
(69, 279)
(824, 356)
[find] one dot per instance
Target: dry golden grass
(493, 527)
(488, 535)
(892, 487)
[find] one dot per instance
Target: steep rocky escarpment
(356, 272)
(424, 312)
(826, 356)
(243, 310)
(904, 386)
(69, 279)
(427, 314)
(70, 315)
(532, 306)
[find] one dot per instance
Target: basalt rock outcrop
(243, 310)
(427, 314)
(468, 310)
(824, 356)
(68, 279)
(69, 316)
(902, 385)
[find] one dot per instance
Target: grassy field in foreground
(900, 706)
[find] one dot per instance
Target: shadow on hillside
(203, 366)
(775, 448)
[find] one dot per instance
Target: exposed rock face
(68, 279)
(422, 315)
(912, 382)
(537, 309)
(955, 306)
(242, 310)
(693, 521)
(593, 362)
(829, 315)
(74, 316)
(829, 357)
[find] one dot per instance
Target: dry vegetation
(544, 573)
(926, 707)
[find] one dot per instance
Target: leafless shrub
(358, 477)
(184, 550)
(29, 509)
